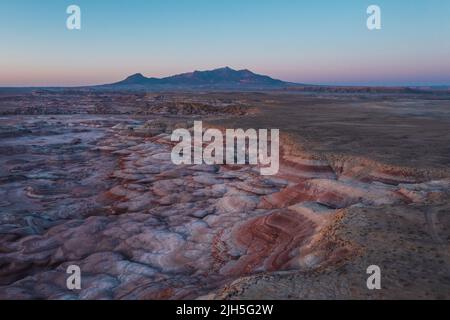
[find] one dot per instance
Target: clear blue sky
(321, 41)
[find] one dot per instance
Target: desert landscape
(86, 179)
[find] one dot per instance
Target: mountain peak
(136, 76)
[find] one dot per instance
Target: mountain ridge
(225, 78)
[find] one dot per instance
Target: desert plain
(86, 179)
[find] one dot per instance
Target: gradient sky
(320, 41)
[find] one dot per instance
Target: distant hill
(359, 89)
(222, 78)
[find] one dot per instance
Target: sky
(317, 42)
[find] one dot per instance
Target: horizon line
(373, 84)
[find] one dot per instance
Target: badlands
(86, 179)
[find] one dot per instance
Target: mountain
(223, 78)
